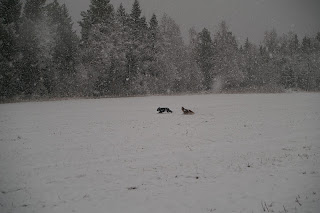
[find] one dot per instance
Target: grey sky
(246, 18)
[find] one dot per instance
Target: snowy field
(237, 153)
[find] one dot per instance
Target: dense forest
(121, 53)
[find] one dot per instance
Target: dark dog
(163, 109)
(187, 111)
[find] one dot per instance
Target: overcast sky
(246, 18)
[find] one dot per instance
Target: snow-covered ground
(237, 153)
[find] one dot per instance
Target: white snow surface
(237, 153)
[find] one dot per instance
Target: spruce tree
(227, 59)
(135, 55)
(288, 58)
(113, 80)
(100, 11)
(64, 50)
(204, 57)
(122, 16)
(294, 44)
(135, 13)
(10, 11)
(247, 45)
(271, 61)
(174, 56)
(29, 46)
(98, 26)
(318, 36)
(154, 31)
(306, 44)
(138, 24)
(33, 9)
(271, 42)
(195, 77)
(249, 65)
(33, 45)
(152, 55)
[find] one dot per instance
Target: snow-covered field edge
(237, 153)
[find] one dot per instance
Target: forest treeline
(120, 53)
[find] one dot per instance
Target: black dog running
(164, 109)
